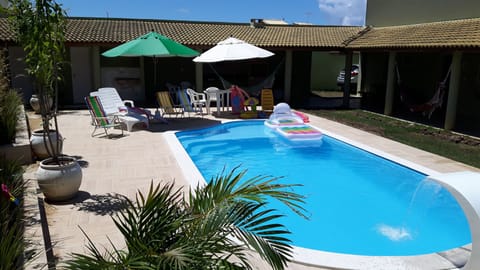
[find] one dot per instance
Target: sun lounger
(267, 101)
(110, 96)
(110, 107)
(100, 120)
(165, 104)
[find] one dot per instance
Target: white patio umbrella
(232, 49)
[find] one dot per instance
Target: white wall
(127, 81)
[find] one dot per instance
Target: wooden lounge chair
(267, 101)
(100, 120)
(166, 105)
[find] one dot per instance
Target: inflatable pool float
(290, 125)
(283, 121)
(283, 116)
(300, 132)
(248, 115)
(303, 116)
(252, 113)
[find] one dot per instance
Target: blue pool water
(358, 203)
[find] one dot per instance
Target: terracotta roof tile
(208, 33)
(447, 34)
(109, 31)
(115, 31)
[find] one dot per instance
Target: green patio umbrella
(154, 45)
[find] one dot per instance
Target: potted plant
(40, 29)
(35, 103)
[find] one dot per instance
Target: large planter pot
(35, 103)
(40, 148)
(59, 182)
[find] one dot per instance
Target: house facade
(87, 38)
(410, 48)
(396, 62)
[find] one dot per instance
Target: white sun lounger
(111, 106)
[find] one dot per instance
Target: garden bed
(452, 145)
(19, 150)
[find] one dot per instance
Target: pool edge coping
(449, 259)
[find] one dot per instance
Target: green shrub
(10, 102)
(12, 244)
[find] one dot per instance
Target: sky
(321, 12)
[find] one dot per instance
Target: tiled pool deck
(124, 165)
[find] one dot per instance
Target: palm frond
(230, 187)
(217, 227)
(95, 259)
(153, 221)
(257, 227)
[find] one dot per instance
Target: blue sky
(323, 12)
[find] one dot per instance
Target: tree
(39, 28)
(214, 227)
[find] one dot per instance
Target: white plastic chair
(198, 100)
(211, 95)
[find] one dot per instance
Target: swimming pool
(359, 203)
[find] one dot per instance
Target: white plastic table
(220, 97)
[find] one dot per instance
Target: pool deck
(124, 165)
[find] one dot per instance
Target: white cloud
(343, 12)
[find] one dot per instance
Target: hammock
(433, 103)
(267, 82)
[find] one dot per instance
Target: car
(354, 77)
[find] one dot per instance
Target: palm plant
(215, 227)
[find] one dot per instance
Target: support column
(199, 77)
(347, 79)
(390, 91)
(359, 76)
(288, 75)
(453, 89)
